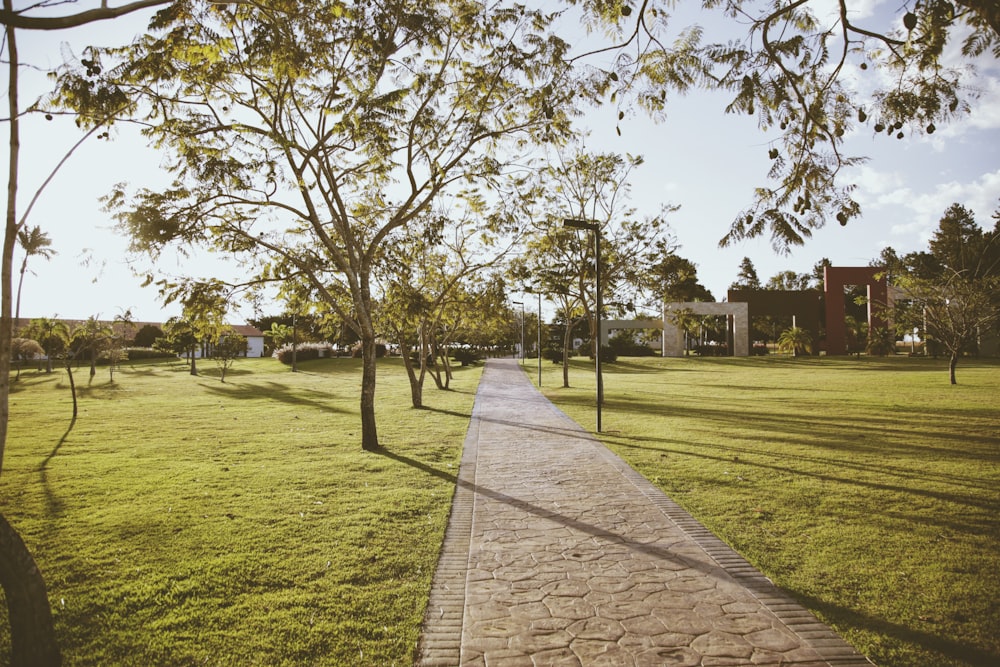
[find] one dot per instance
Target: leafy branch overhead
(807, 77)
(305, 137)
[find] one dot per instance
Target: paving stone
(558, 553)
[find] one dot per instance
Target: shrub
(466, 356)
(625, 346)
(140, 353)
(553, 354)
(303, 352)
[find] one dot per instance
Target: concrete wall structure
(804, 305)
(835, 278)
(607, 326)
(673, 336)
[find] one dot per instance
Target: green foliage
(147, 335)
(796, 341)
(466, 356)
(787, 72)
(303, 352)
(304, 141)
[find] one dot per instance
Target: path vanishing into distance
(558, 553)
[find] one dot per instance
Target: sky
(700, 159)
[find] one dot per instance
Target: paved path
(557, 553)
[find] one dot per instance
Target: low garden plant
(185, 521)
(867, 488)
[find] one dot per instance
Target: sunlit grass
(868, 488)
(185, 521)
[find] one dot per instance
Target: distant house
(254, 336)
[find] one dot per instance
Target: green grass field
(184, 521)
(867, 488)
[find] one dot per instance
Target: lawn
(186, 521)
(867, 488)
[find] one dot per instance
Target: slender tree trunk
(416, 385)
(952, 364)
(20, 283)
(194, 366)
(32, 637)
(72, 387)
(369, 430)
(567, 339)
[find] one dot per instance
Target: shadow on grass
(950, 648)
(659, 552)
(272, 391)
(52, 502)
(442, 411)
(962, 499)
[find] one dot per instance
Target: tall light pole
(537, 290)
(521, 303)
(596, 228)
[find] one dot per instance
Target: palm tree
(51, 333)
(795, 340)
(34, 242)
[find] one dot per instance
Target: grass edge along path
(869, 489)
(186, 521)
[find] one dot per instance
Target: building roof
(242, 329)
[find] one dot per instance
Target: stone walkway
(558, 553)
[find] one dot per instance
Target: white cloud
(921, 211)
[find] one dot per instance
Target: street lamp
(521, 303)
(596, 228)
(538, 291)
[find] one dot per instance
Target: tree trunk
(416, 385)
(369, 430)
(952, 363)
(567, 339)
(32, 637)
(72, 387)
(194, 366)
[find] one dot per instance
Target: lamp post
(538, 291)
(596, 228)
(521, 303)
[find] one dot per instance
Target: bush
(140, 353)
(624, 346)
(303, 352)
(466, 356)
(553, 354)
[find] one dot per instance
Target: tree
(34, 242)
(304, 136)
(52, 334)
(179, 338)
(559, 261)
(953, 290)
(226, 348)
(960, 245)
(796, 340)
(437, 286)
(687, 321)
(675, 279)
(32, 636)
(789, 71)
(956, 310)
(789, 281)
(146, 335)
(91, 338)
(22, 349)
(747, 277)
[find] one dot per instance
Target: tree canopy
(808, 78)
